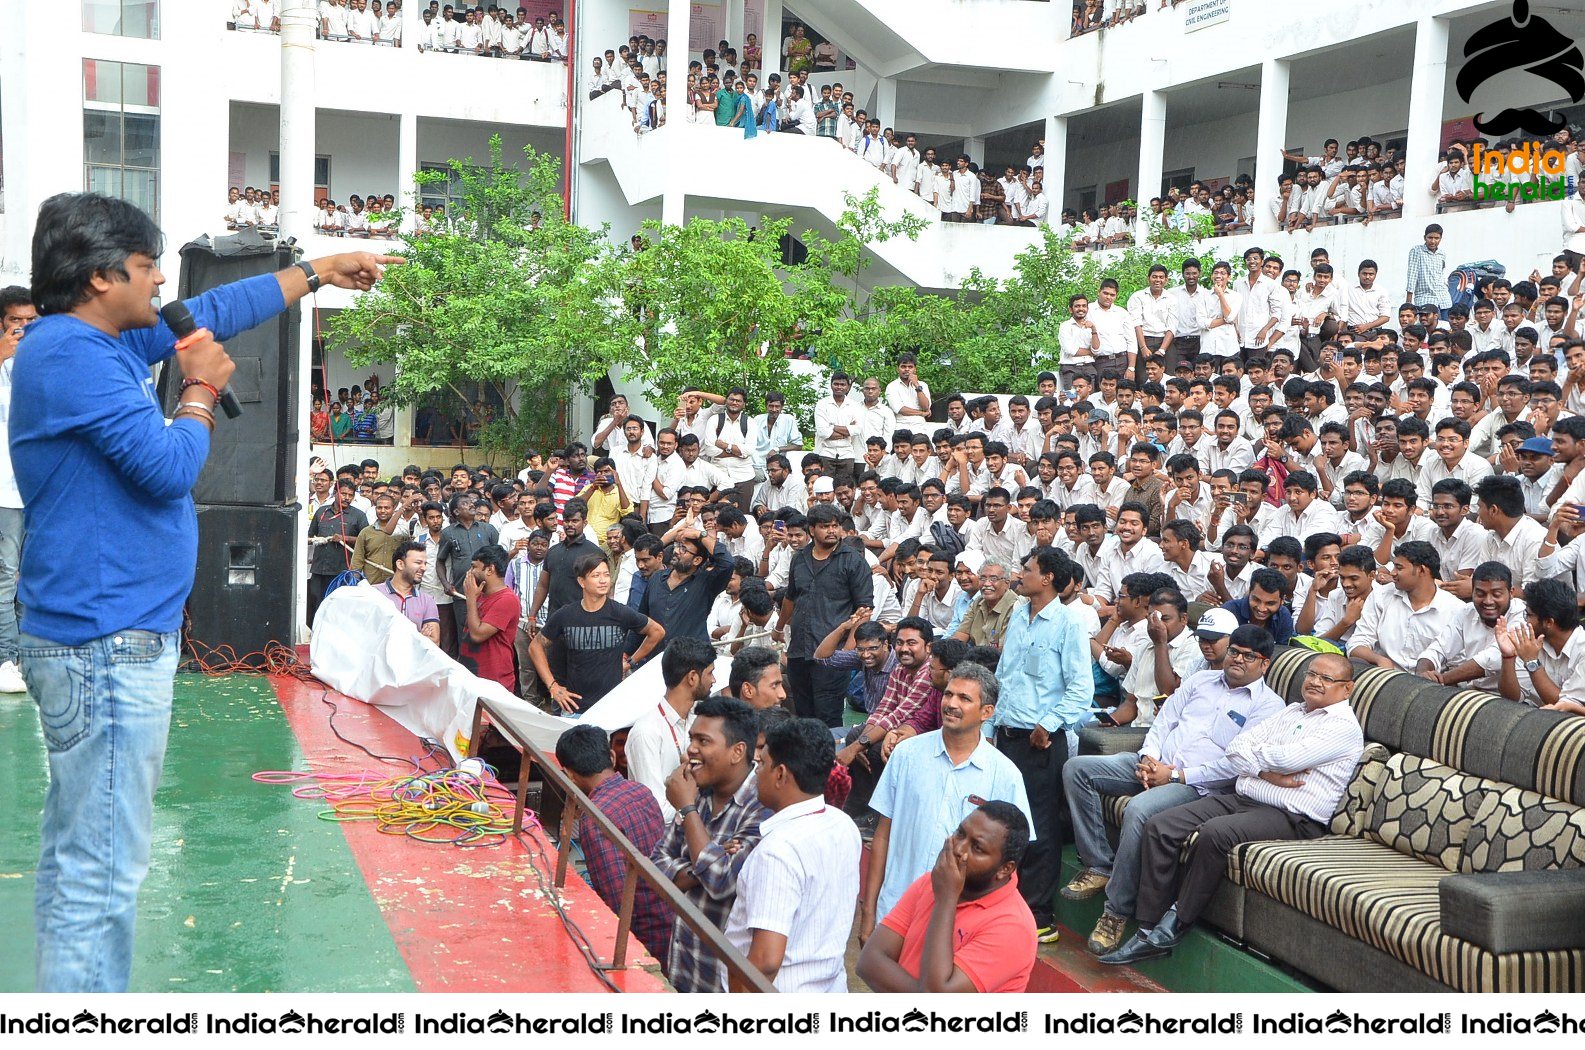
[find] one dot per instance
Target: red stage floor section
(465, 920)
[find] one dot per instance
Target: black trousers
(1041, 869)
(1223, 822)
(448, 631)
(317, 582)
(864, 779)
(1183, 348)
(815, 690)
(838, 470)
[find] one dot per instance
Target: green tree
(495, 297)
(707, 307)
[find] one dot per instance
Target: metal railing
(741, 973)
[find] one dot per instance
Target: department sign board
(1201, 13)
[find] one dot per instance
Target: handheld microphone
(180, 320)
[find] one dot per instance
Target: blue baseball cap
(1539, 445)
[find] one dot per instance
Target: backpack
(1461, 283)
(946, 538)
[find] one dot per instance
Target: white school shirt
(1156, 315)
(1259, 304)
(1366, 304)
(1221, 341)
(1389, 625)
(1186, 319)
(801, 881)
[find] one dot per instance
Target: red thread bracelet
(190, 382)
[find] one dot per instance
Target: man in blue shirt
(930, 783)
(101, 608)
(1047, 690)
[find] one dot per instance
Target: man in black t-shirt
(558, 584)
(580, 653)
(332, 532)
(459, 542)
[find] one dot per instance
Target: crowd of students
(971, 580)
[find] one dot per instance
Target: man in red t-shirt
(493, 612)
(964, 927)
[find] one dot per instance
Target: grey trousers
(1085, 779)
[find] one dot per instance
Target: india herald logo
(1530, 43)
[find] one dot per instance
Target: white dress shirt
(1221, 341)
(1319, 516)
(801, 881)
(830, 414)
(1518, 550)
(1260, 304)
(1324, 745)
(655, 746)
(1469, 470)
(1144, 556)
(1200, 719)
(1468, 638)
(1156, 315)
(1393, 628)
(1116, 329)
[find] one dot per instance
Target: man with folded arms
(1183, 759)
(1292, 771)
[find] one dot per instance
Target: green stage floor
(228, 904)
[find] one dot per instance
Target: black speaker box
(242, 594)
(252, 457)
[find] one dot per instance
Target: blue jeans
(10, 564)
(1084, 780)
(106, 711)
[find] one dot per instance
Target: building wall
(362, 147)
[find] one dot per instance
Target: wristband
(192, 382)
(313, 277)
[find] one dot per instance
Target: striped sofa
(1456, 859)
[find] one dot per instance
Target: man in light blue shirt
(1184, 758)
(930, 783)
(1047, 690)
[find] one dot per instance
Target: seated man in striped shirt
(1292, 771)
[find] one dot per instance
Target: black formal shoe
(1139, 949)
(1168, 933)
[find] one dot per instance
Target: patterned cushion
(1389, 901)
(1519, 830)
(1423, 809)
(1359, 798)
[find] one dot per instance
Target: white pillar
(885, 101)
(677, 44)
(412, 23)
(407, 158)
(1427, 84)
(673, 203)
(974, 146)
(297, 119)
(770, 38)
(1056, 169)
(297, 216)
(1271, 134)
(1152, 146)
(732, 25)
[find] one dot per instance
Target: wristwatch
(1176, 776)
(313, 278)
(1532, 666)
(683, 811)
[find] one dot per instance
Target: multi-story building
(131, 96)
